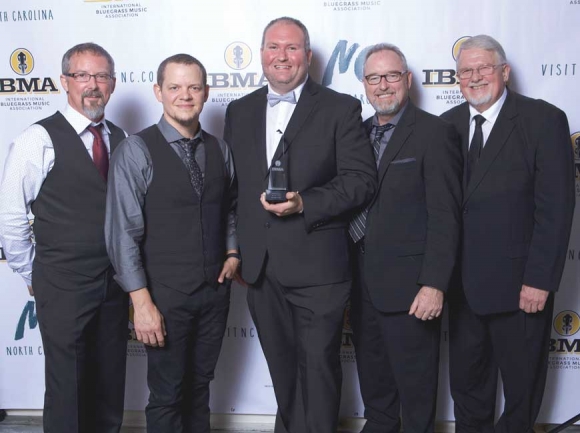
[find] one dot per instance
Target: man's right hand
(30, 291)
(148, 321)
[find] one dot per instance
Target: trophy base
(276, 196)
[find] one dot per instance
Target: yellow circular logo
(567, 323)
(457, 45)
(238, 55)
(21, 61)
(576, 144)
(346, 319)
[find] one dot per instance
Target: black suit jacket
(518, 205)
(330, 164)
(413, 226)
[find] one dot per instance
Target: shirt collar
(492, 112)
(79, 122)
(297, 90)
(171, 134)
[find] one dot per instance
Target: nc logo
(343, 57)
(29, 313)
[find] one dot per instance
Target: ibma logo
(237, 56)
(575, 138)
(566, 324)
(22, 63)
(444, 77)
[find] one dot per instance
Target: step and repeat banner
(541, 39)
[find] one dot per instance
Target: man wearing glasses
(405, 246)
(518, 204)
(57, 169)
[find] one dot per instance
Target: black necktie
(475, 146)
(357, 225)
(189, 147)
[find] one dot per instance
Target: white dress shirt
(277, 119)
(30, 158)
(490, 117)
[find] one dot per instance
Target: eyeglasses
(483, 70)
(83, 77)
(391, 77)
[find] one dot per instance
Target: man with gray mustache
(57, 168)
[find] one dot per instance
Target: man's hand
(533, 300)
(428, 303)
(292, 206)
(30, 291)
(229, 269)
(149, 323)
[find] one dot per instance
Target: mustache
(92, 94)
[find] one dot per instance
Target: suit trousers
(179, 373)
(515, 342)
(397, 361)
(84, 328)
(300, 331)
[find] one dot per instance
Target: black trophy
(278, 179)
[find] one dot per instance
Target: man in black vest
(170, 232)
(58, 168)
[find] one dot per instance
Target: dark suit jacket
(518, 206)
(330, 163)
(413, 226)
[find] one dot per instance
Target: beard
(477, 102)
(95, 109)
(386, 109)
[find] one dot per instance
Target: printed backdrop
(541, 39)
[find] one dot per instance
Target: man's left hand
(229, 269)
(428, 303)
(533, 300)
(292, 206)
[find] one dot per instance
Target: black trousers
(300, 332)
(84, 328)
(516, 343)
(179, 373)
(398, 364)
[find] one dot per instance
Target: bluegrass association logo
(347, 354)
(243, 76)
(351, 6)
(238, 55)
(575, 138)
(21, 90)
(444, 81)
(565, 344)
(119, 9)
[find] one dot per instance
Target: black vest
(184, 244)
(69, 211)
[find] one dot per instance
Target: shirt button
(465, 211)
(267, 225)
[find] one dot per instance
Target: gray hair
(87, 47)
(387, 47)
(289, 20)
(483, 42)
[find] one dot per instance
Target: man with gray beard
(405, 246)
(57, 168)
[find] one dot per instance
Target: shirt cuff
(132, 281)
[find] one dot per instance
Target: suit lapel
(259, 112)
(498, 137)
(400, 135)
(308, 100)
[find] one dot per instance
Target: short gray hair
(87, 47)
(386, 47)
(289, 20)
(483, 42)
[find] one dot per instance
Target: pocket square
(403, 161)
